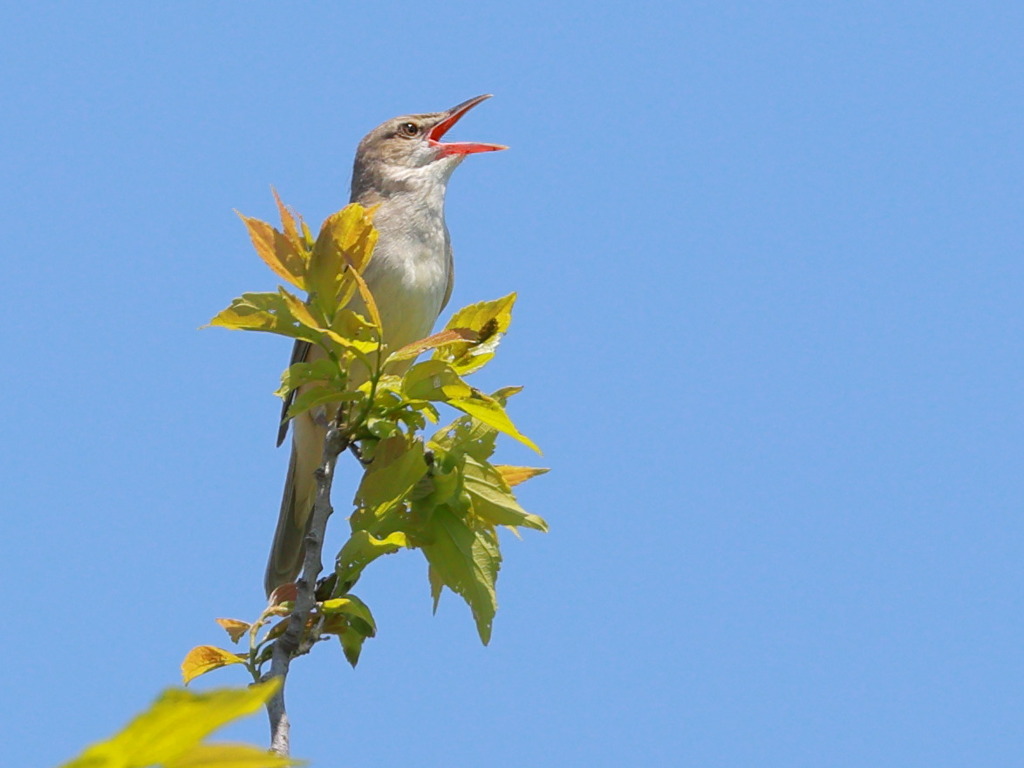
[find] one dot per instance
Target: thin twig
(291, 643)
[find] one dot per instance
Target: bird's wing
(450, 268)
(299, 354)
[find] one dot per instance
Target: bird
(402, 166)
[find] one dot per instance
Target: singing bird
(402, 166)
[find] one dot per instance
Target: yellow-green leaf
(352, 640)
(434, 380)
(465, 436)
(343, 247)
(368, 301)
(353, 331)
(490, 411)
(298, 309)
(350, 605)
(320, 395)
(205, 658)
(235, 628)
(436, 585)
(230, 756)
(176, 722)
(466, 561)
(268, 312)
(398, 465)
(489, 320)
(361, 549)
(493, 501)
(297, 375)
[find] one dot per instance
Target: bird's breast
(408, 276)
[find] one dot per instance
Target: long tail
(288, 549)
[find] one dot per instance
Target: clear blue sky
(769, 258)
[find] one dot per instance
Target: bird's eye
(409, 129)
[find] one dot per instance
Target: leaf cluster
(438, 493)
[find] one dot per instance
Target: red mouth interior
(459, 148)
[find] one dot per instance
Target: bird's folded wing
(299, 354)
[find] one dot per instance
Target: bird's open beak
(452, 116)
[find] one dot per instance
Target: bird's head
(407, 152)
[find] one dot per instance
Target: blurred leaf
(173, 726)
(489, 320)
(230, 756)
(516, 475)
(382, 428)
(493, 499)
(236, 629)
(205, 658)
(466, 560)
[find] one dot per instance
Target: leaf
(368, 301)
(300, 374)
(502, 395)
(493, 500)
(298, 309)
(434, 380)
(466, 560)
(320, 395)
(230, 756)
(491, 412)
(411, 351)
(516, 475)
(343, 248)
(361, 549)
(397, 467)
(268, 312)
(286, 593)
(350, 605)
(176, 722)
(352, 643)
(354, 331)
(465, 436)
(490, 320)
(236, 629)
(436, 585)
(287, 222)
(205, 658)
(279, 253)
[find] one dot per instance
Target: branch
(291, 643)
